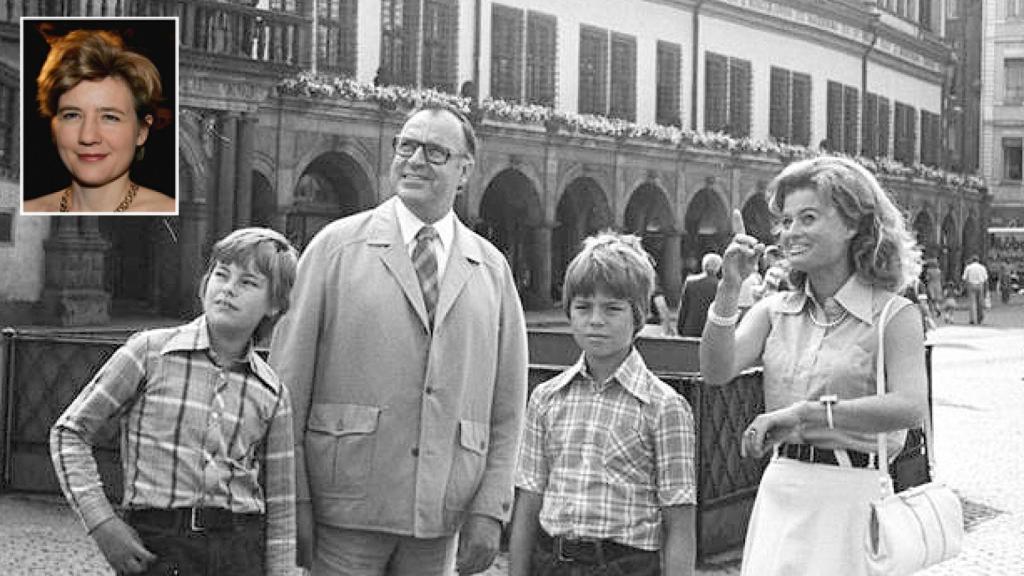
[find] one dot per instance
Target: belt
(585, 551)
(808, 453)
(192, 519)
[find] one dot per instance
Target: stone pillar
(243, 174)
(672, 283)
(539, 297)
(192, 243)
(226, 171)
(73, 291)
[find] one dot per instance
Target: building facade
(1002, 110)
(657, 117)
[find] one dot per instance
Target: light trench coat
(401, 429)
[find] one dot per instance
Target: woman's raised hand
(742, 254)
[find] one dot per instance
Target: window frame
(1008, 143)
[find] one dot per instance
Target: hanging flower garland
(557, 121)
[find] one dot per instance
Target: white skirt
(810, 519)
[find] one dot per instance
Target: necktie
(425, 261)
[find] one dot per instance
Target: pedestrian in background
(850, 254)
(698, 292)
(405, 351)
(975, 279)
(605, 482)
(206, 431)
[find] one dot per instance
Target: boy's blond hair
(270, 254)
(616, 264)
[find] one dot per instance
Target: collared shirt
(608, 456)
(409, 224)
(192, 434)
(975, 273)
(804, 360)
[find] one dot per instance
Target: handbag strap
(883, 448)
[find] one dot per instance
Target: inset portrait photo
(99, 116)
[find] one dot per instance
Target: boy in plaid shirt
(206, 431)
(605, 481)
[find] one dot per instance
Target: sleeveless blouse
(803, 360)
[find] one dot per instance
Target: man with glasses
(405, 351)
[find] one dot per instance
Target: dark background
(43, 171)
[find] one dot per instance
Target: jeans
(233, 551)
(544, 563)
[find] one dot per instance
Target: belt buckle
(195, 521)
(560, 553)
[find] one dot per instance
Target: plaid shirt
(192, 434)
(608, 456)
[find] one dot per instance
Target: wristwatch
(828, 400)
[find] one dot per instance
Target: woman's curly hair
(882, 252)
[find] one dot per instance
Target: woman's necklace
(133, 189)
(828, 324)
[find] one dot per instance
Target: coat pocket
(340, 441)
(468, 463)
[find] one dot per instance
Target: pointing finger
(737, 223)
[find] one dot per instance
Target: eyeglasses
(434, 153)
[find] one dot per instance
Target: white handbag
(919, 527)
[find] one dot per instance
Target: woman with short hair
(100, 99)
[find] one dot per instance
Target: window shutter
(540, 59)
(779, 105)
(506, 52)
(851, 109)
(715, 85)
(593, 86)
(801, 109)
(739, 97)
(834, 125)
(623, 77)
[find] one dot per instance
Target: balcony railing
(223, 29)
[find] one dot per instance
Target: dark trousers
(236, 550)
(643, 563)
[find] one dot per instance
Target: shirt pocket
(468, 463)
(340, 443)
(627, 456)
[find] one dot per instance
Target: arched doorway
(924, 232)
(510, 214)
(757, 219)
(582, 211)
(707, 228)
(950, 252)
(331, 187)
(649, 216)
(264, 201)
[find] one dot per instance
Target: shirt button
(415, 452)
(429, 390)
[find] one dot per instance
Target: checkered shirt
(192, 434)
(607, 457)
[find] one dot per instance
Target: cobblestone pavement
(978, 394)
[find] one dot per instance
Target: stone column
(243, 174)
(192, 244)
(539, 297)
(672, 283)
(73, 291)
(226, 171)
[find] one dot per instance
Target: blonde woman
(849, 253)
